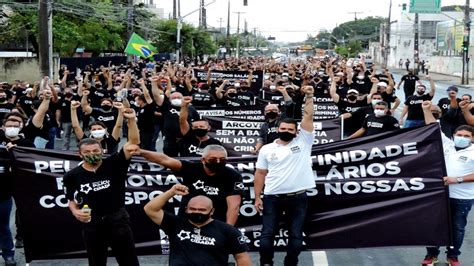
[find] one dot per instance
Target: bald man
(197, 239)
(268, 130)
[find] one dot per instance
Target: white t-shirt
(289, 166)
(459, 163)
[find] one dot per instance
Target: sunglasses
(217, 160)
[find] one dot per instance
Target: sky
(289, 20)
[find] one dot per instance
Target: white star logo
(184, 235)
(199, 184)
(174, 111)
(193, 149)
(85, 188)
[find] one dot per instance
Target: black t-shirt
(104, 189)
(272, 96)
(409, 82)
(226, 101)
(415, 111)
(389, 98)
(26, 103)
(342, 89)
(444, 104)
(6, 177)
(203, 99)
(217, 187)
(193, 147)
(347, 107)
(171, 128)
(108, 144)
(268, 131)
(31, 132)
(96, 96)
(246, 96)
(18, 92)
(146, 117)
(108, 118)
(362, 85)
(321, 88)
(375, 125)
(64, 105)
(210, 244)
(5, 108)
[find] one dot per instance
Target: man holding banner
(285, 168)
(459, 157)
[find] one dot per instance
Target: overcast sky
(289, 20)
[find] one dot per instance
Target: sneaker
(453, 261)
(429, 259)
(10, 262)
(19, 243)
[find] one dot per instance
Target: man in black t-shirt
(146, 117)
(105, 114)
(100, 184)
(409, 83)
(197, 239)
(5, 106)
(378, 122)
(64, 111)
(196, 136)
(269, 129)
(413, 110)
(210, 177)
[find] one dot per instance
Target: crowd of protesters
(95, 106)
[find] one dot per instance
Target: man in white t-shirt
(459, 158)
(285, 168)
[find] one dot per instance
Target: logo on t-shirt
(196, 238)
(239, 186)
(295, 149)
(174, 111)
(85, 188)
(183, 235)
(96, 186)
(195, 150)
(375, 124)
(199, 185)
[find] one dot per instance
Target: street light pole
(238, 32)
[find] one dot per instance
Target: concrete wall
(21, 68)
(449, 65)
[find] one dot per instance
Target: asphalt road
(345, 257)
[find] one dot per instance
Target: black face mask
(271, 115)
(2, 99)
(286, 136)
(216, 167)
(98, 86)
(352, 97)
(68, 94)
(232, 95)
(106, 107)
(200, 132)
(198, 218)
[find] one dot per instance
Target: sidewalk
(443, 78)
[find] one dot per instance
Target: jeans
(413, 123)
(52, 136)
(459, 211)
(156, 133)
(295, 212)
(111, 230)
(67, 128)
(6, 239)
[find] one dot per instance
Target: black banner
(324, 107)
(250, 112)
(382, 190)
(232, 76)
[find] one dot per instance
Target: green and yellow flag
(138, 46)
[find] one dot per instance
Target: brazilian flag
(138, 46)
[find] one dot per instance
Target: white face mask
(98, 134)
(176, 102)
(374, 102)
(379, 113)
(12, 132)
(136, 104)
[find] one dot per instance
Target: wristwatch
(460, 180)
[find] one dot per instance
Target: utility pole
(415, 45)
(174, 9)
(238, 33)
(129, 23)
(45, 37)
(255, 35)
(387, 39)
(201, 13)
(465, 45)
(227, 42)
(355, 14)
(220, 24)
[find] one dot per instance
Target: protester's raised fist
(308, 90)
(186, 101)
(426, 105)
(141, 82)
(118, 105)
(336, 79)
(129, 113)
(374, 80)
(464, 105)
(75, 105)
(86, 92)
(47, 94)
(179, 189)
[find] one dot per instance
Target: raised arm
(38, 118)
(133, 132)
(86, 108)
(183, 115)
(429, 118)
(219, 90)
(373, 90)
(307, 120)
(146, 93)
(155, 91)
(154, 208)
(75, 121)
(332, 90)
(117, 131)
(391, 83)
(466, 112)
(162, 159)
(432, 86)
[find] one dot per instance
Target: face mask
(3, 99)
(176, 102)
(232, 94)
(68, 94)
(198, 218)
(420, 92)
(216, 167)
(199, 132)
(360, 77)
(74, 87)
(98, 134)
(379, 113)
(136, 104)
(93, 159)
(98, 86)
(461, 142)
(106, 107)
(12, 132)
(286, 136)
(271, 115)
(374, 102)
(352, 97)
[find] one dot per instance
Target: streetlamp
(178, 30)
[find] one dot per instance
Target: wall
(21, 68)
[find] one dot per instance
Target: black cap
(452, 88)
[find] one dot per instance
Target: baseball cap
(352, 91)
(452, 88)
